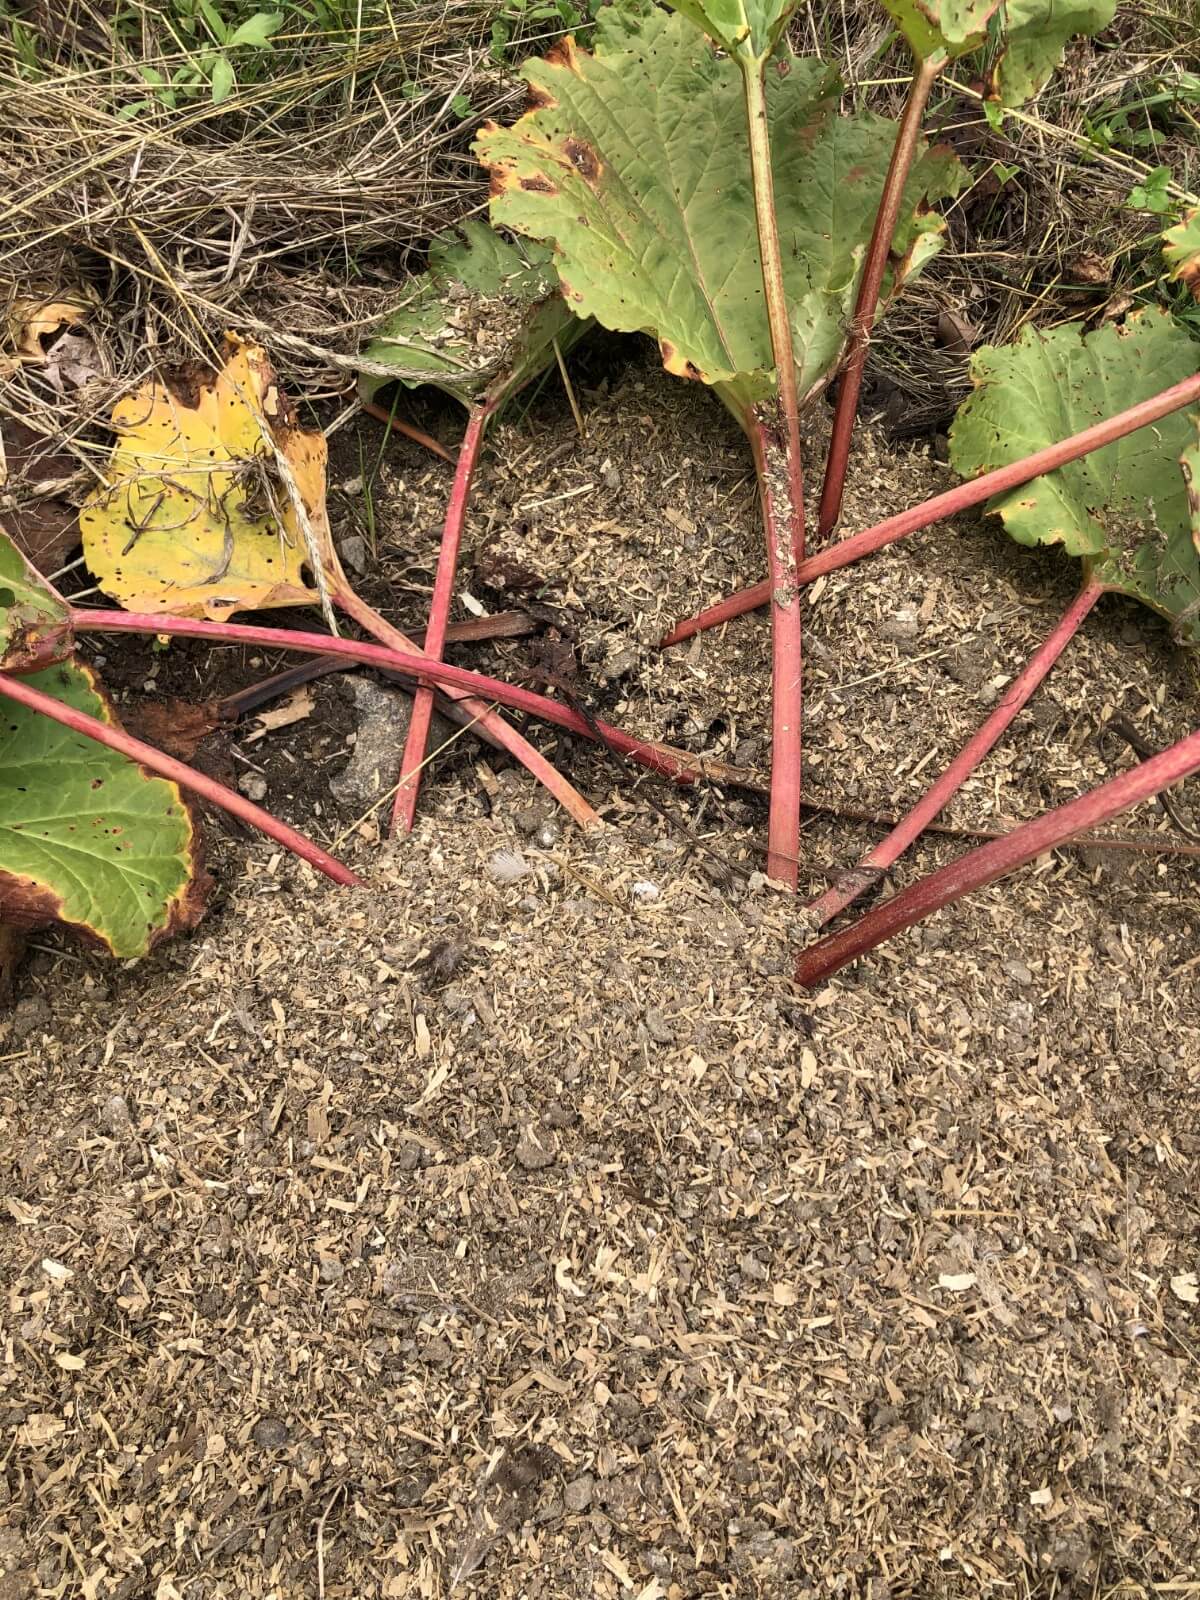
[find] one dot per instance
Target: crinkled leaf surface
(942, 27)
(195, 518)
(35, 626)
(88, 837)
(1181, 247)
(482, 320)
(635, 164)
(1124, 509)
(1034, 35)
(746, 28)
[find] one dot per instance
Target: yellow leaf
(32, 320)
(198, 516)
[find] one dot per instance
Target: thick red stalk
(783, 824)
(991, 861)
(949, 504)
(469, 688)
(165, 766)
(907, 135)
(507, 737)
(939, 794)
(779, 473)
(404, 807)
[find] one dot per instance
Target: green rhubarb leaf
(1122, 510)
(87, 837)
(948, 28)
(635, 163)
(748, 29)
(1181, 247)
(35, 624)
(483, 320)
(1034, 37)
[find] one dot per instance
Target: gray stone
(354, 553)
(254, 786)
(535, 1151)
(577, 1496)
(383, 717)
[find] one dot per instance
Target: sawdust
(518, 1221)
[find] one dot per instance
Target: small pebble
(253, 785)
(535, 1151)
(1018, 972)
(577, 1496)
(547, 835)
(645, 891)
(331, 1270)
(657, 1026)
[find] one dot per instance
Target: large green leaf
(1124, 509)
(1181, 248)
(1034, 36)
(635, 164)
(88, 837)
(748, 29)
(35, 626)
(482, 320)
(947, 28)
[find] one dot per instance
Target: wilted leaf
(196, 517)
(35, 626)
(1181, 247)
(31, 320)
(1034, 36)
(87, 837)
(635, 163)
(482, 320)
(1122, 510)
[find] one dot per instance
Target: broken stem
(167, 767)
(961, 498)
(507, 737)
(404, 806)
(785, 541)
(938, 795)
(991, 861)
(870, 285)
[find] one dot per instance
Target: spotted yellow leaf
(210, 478)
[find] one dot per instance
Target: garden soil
(514, 1226)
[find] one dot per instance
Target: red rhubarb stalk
(783, 825)
(469, 688)
(991, 861)
(870, 285)
(405, 804)
(165, 766)
(910, 827)
(780, 473)
(949, 504)
(507, 737)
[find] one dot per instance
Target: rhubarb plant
(666, 174)
(88, 838)
(1123, 510)
(484, 320)
(1030, 37)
